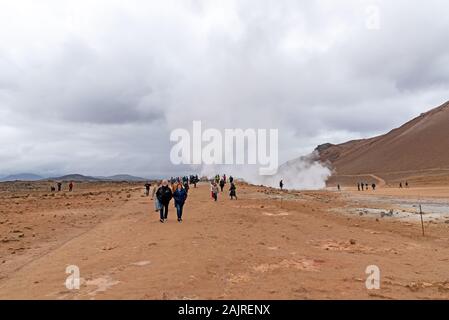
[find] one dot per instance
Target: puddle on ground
(435, 210)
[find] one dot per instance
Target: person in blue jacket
(180, 196)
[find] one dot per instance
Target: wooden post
(422, 222)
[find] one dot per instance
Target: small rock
(352, 241)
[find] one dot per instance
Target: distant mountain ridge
(118, 177)
(71, 177)
(22, 177)
(125, 177)
(75, 177)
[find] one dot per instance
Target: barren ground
(266, 245)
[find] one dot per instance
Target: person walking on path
(281, 184)
(222, 184)
(180, 196)
(214, 190)
(71, 186)
(186, 186)
(147, 189)
(164, 195)
(232, 191)
(157, 204)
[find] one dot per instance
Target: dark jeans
(215, 196)
(164, 211)
(179, 208)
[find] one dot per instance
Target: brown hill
(418, 148)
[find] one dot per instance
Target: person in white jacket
(157, 204)
(214, 191)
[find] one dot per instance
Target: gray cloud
(96, 86)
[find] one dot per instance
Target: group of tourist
(361, 186)
(178, 188)
(58, 187)
(221, 182)
(163, 193)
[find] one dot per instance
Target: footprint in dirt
(141, 263)
(303, 264)
(238, 278)
(280, 214)
(102, 284)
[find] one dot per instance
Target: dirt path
(253, 248)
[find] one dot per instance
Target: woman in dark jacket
(232, 192)
(164, 195)
(180, 196)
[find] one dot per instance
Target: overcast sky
(95, 87)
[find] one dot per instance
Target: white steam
(304, 173)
